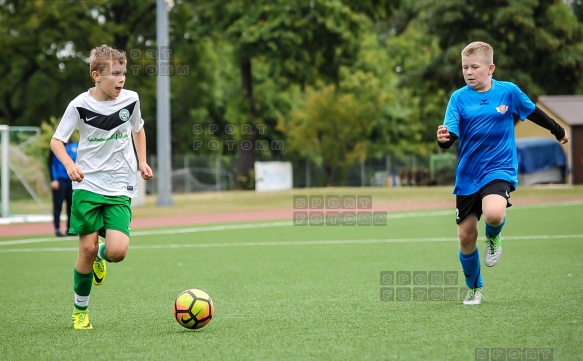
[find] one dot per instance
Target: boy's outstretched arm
(140, 143)
(73, 170)
(542, 119)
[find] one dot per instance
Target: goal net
(25, 194)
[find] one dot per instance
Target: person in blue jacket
(62, 187)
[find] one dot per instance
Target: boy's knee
(494, 219)
(116, 246)
(117, 255)
(88, 250)
(467, 237)
(467, 241)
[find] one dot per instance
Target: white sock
(81, 301)
(100, 250)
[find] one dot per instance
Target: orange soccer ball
(193, 308)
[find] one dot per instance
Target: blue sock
(471, 266)
(492, 231)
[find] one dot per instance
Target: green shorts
(91, 212)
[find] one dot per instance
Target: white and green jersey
(105, 153)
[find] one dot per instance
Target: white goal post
(6, 167)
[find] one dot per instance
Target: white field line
(159, 231)
(289, 223)
(291, 243)
(226, 227)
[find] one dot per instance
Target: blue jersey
(484, 123)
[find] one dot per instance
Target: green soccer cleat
(99, 270)
(474, 296)
(493, 250)
(81, 320)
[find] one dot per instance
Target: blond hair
(103, 56)
(480, 48)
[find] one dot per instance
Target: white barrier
(273, 176)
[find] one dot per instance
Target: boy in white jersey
(481, 115)
(104, 178)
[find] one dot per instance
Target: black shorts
(466, 205)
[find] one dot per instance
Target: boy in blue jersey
(481, 116)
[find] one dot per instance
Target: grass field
(285, 292)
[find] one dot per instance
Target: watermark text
(420, 286)
(513, 353)
(336, 210)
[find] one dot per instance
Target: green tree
(365, 115)
(302, 42)
(537, 44)
(45, 47)
(332, 129)
(41, 62)
(409, 54)
(524, 35)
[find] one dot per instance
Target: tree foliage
(332, 129)
(537, 44)
(336, 80)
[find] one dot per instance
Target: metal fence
(217, 173)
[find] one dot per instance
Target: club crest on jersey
(502, 109)
(124, 115)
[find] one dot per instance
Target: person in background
(62, 187)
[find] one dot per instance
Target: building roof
(569, 108)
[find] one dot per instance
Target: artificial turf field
(284, 292)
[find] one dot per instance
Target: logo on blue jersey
(502, 109)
